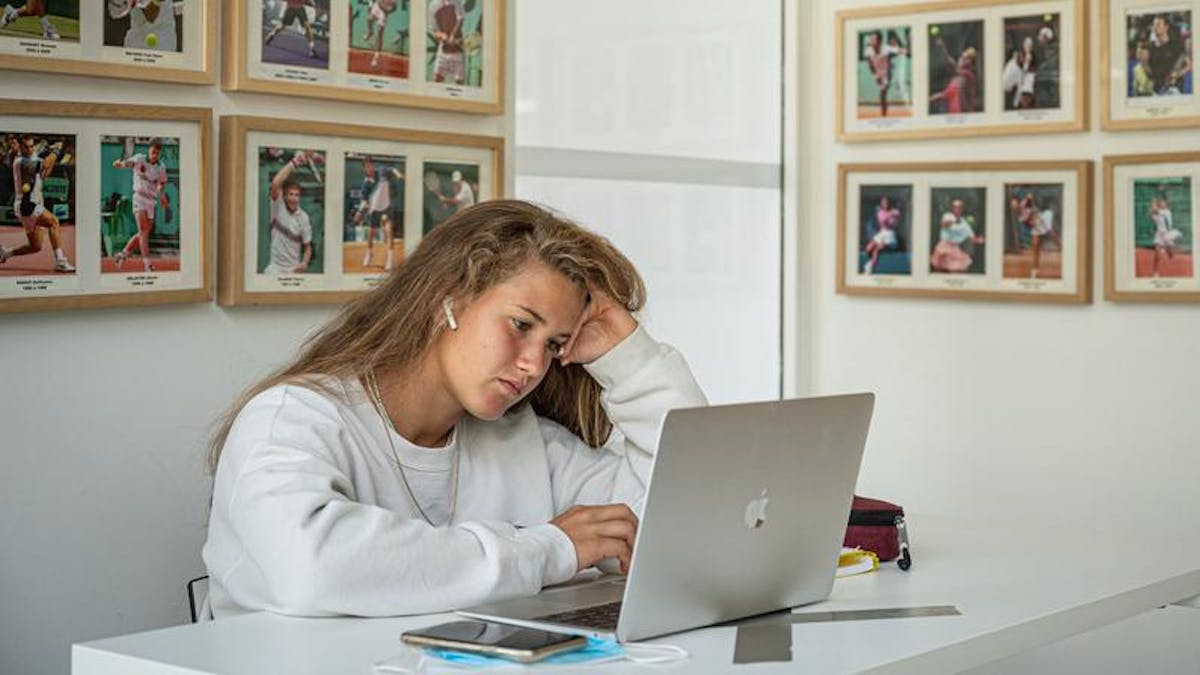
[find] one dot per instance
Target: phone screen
(494, 635)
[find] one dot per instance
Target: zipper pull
(905, 560)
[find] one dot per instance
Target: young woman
(441, 442)
(1165, 232)
(948, 254)
(1040, 223)
(887, 218)
(960, 95)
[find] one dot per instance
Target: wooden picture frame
(462, 73)
(78, 164)
(961, 68)
(270, 253)
(1147, 95)
(966, 230)
(92, 41)
(1150, 227)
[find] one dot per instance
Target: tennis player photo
(449, 188)
(957, 227)
(291, 207)
(1159, 58)
(1033, 222)
(956, 68)
(144, 24)
(380, 39)
(454, 42)
(1163, 227)
(37, 204)
(885, 73)
(885, 229)
(1031, 72)
(139, 204)
(296, 33)
(373, 226)
(52, 20)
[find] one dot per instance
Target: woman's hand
(599, 532)
(604, 323)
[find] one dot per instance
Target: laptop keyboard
(602, 617)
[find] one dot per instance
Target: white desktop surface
(1018, 587)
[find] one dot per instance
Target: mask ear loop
(643, 653)
(447, 309)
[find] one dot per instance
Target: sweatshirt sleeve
(642, 379)
(303, 545)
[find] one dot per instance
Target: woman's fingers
(599, 532)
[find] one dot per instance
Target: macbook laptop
(745, 514)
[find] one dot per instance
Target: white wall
(1058, 414)
(104, 415)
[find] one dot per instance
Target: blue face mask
(597, 650)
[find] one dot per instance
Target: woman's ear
(448, 310)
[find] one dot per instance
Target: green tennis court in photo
(1178, 192)
(868, 91)
(63, 15)
(395, 33)
(117, 223)
(472, 24)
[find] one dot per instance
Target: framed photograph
(159, 40)
(969, 230)
(442, 54)
(1150, 227)
(315, 212)
(961, 68)
(1147, 63)
(103, 205)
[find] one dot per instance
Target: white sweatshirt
(310, 516)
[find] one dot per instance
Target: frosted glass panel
(710, 256)
(691, 78)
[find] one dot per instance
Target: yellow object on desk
(853, 561)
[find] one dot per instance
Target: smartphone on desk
(494, 639)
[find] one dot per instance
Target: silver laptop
(745, 514)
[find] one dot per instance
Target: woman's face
(507, 338)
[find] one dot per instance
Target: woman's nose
(534, 359)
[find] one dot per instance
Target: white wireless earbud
(447, 305)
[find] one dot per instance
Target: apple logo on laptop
(756, 511)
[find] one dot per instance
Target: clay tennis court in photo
(133, 264)
(1020, 266)
(35, 264)
(389, 65)
(872, 111)
(353, 252)
(1179, 265)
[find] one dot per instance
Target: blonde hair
(397, 322)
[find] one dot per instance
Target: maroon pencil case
(878, 526)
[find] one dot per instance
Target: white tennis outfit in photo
(290, 231)
(163, 26)
(149, 181)
(28, 170)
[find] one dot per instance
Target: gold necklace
(388, 429)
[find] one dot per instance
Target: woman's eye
(555, 348)
(521, 324)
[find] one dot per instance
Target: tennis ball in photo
(1047, 18)
(25, 188)
(934, 30)
(152, 40)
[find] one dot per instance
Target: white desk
(1017, 588)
